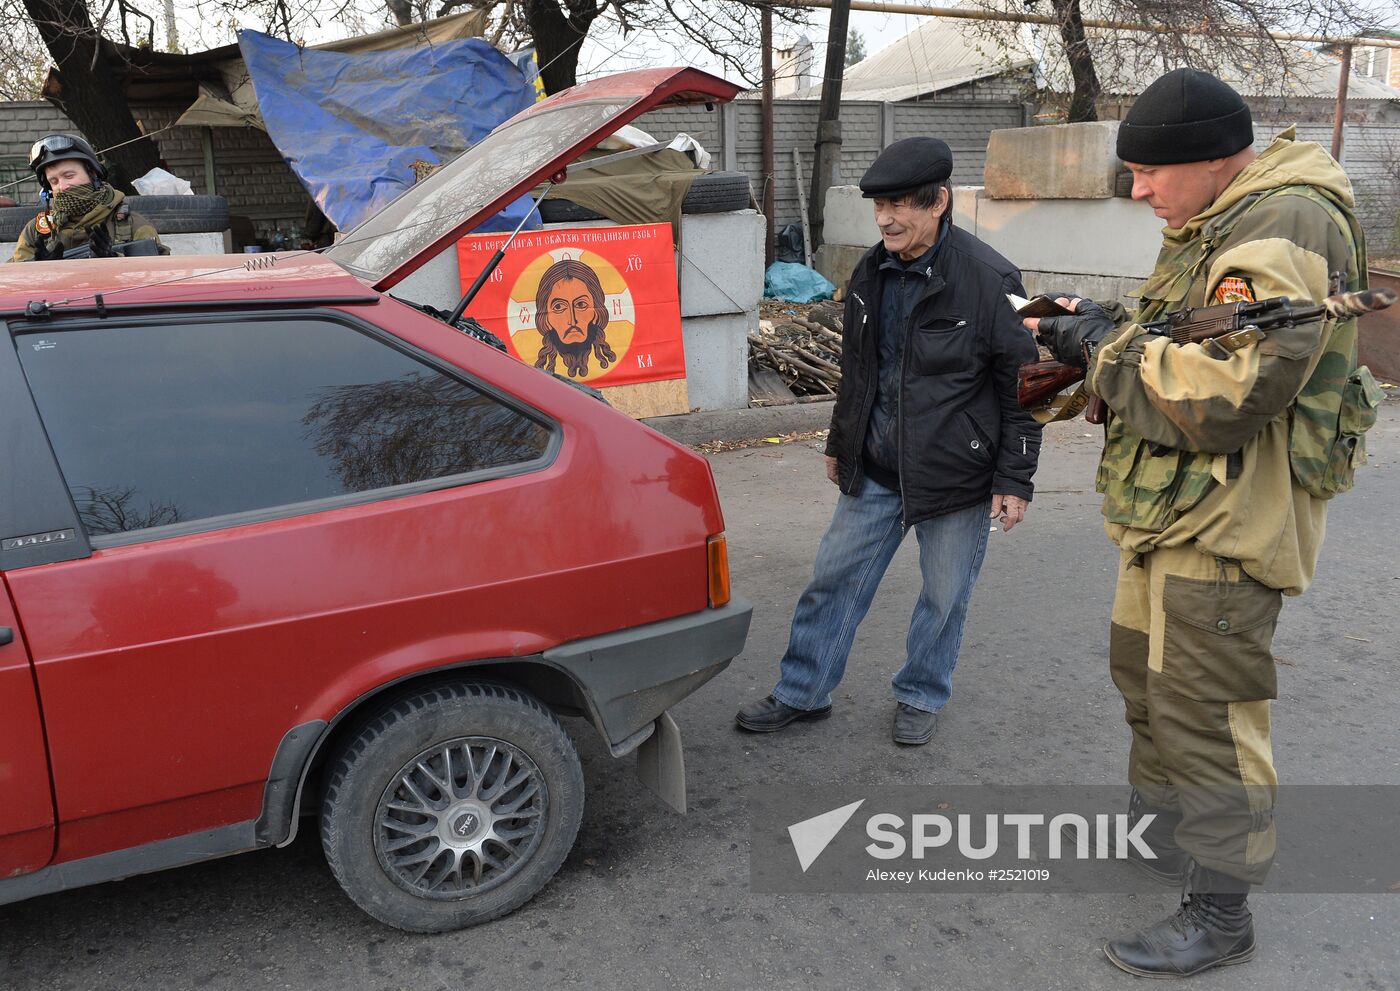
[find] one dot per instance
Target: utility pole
(1340, 117)
(828, 150)
(766, 40)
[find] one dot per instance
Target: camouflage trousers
(1190, 650)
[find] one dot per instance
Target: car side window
(170, 423)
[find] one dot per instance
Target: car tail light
(718, 553)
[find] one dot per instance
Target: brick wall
(20, 124)
(249, 170)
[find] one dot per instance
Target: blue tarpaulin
(353, 127)
(795, 283)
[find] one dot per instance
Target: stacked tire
(711, 192)
(168, 214)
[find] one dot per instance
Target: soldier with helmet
(81, 207)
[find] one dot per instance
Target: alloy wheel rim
(460, 818)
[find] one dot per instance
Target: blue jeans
(853, 556)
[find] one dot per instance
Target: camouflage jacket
(39, 240)
(1238, 457)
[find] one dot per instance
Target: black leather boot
(1213, 928)
(1160, 836)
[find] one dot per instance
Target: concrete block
(965, 199)
(717, 359)
(1061, 161)
(848, 218)
(721, 263)
(208, 243)
(212, 243)
(1097, 237)
(436, 283)
(838, 261)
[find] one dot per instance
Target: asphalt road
(652, 900)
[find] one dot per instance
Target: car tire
(712, 192)
(718, 192)
(566, 212)
(451, 807)
(183, 214)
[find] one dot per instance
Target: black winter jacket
(961, 434)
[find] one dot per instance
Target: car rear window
(164, 424)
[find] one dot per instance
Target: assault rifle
(121, 249)
(1220, 330)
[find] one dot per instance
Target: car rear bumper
(630, 677)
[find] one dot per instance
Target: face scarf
(73, 204)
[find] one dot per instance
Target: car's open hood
(524, 151)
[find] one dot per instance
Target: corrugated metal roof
(939, 54)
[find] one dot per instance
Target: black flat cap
(1185, 116)
(905, 166)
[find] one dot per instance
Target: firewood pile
(796, 352)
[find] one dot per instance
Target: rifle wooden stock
(1038, 382)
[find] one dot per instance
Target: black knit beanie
(1185, 116)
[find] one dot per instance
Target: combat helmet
(61, 147)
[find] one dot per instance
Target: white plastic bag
(159, 182)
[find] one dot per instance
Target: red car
(274, 543)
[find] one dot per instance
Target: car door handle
(7, 635)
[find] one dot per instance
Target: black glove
(1066, 336)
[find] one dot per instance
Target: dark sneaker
(768, 715)
(913, 727)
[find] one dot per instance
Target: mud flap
(661, 763)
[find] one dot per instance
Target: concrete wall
(1097, 248)
(733, 135)
(211, 243)
(720, 266)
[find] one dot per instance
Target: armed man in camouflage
(1216, 475)
(82, 208)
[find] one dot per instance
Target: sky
(610, 49)
(605, 51)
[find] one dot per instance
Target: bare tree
(557, 28)
(379, 434)
(1088, 61)
(117, 509)
(22, 63)
(89, 91)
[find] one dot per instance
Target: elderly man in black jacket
(926, 435)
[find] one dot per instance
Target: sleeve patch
(1234, 289)
(42, 225)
